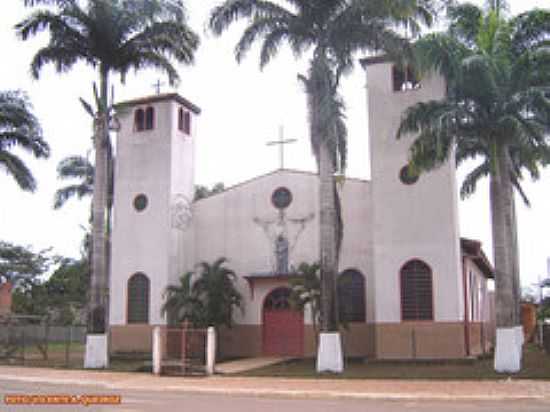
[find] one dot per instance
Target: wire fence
(42, 345)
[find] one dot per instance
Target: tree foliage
(19, 128)
(306, 291)
(498, 80)
(119, 34)
(79, 169)
(207, 297)
(21, 262)
(202, 192)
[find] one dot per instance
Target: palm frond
(17, 169)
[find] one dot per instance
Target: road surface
(158, 401)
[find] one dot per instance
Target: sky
(242, 109)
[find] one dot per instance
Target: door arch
(283, 327)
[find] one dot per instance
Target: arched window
(149, 118)
(351, 296)
(139, 120)
(416, 291)
(138, 298)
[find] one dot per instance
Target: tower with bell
(153, 191)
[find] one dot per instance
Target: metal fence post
(23, 346)
(46, 339)
(67, 345)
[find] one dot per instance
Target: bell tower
(415, 220)
(153, 182)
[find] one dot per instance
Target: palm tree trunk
(328, 236)
(508, 346)
(502, 225)
(514, 250)
(99, 277)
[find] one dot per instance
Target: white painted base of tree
(97, 351)
(520, 340)
(329, 355)
(507, 354)
(520, 336)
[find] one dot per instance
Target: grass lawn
(536, 365)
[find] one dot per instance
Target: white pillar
(97, 351)
(210, 350)
(507, 354)
(157, 350)
(329, 354)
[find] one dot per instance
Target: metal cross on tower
(157, 85)
(281, 142)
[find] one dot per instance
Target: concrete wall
(131, 338)
(420, 340)
(409, 221)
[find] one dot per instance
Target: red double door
(283, 328)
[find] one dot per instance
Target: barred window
(138, 299)
(351, 296)
(416, 291)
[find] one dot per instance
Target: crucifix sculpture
(277, 231)
(281, 142)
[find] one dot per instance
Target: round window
(140, 202)
(407, 176)
(281, 198)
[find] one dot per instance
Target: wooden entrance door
(283, 327)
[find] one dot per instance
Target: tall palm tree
(333, 30)
(497, 108)
(113, 36)
(74, 168)
(19, 128)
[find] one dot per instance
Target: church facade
(409, 286)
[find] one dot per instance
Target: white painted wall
(159, 164)
(416, 221)
(223, 226)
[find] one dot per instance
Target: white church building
(414, 288)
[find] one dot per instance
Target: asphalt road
(177, 401)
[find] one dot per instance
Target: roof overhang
(472, 249)
(159, 98)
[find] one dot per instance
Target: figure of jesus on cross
(281, 142)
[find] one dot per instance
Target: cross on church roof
(157, 85)
(281, 142)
